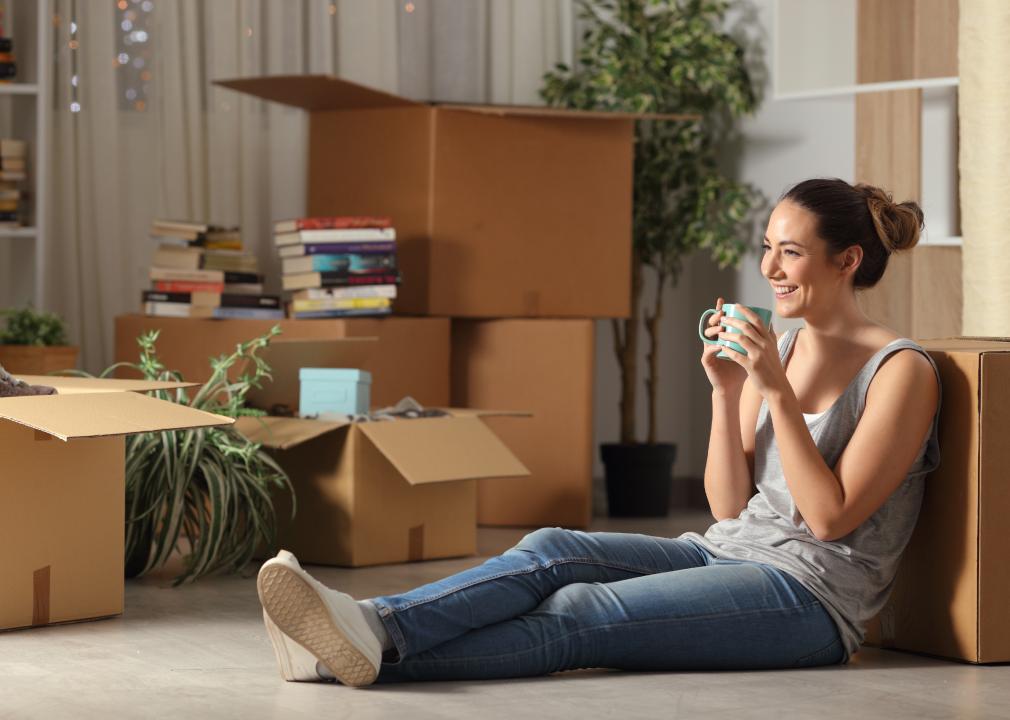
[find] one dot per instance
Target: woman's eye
(793, 253)
(766, 248)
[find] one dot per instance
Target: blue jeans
(566, 599)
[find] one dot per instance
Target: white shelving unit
(24, 114)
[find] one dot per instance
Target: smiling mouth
(782, 291)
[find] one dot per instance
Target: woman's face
(797, 263)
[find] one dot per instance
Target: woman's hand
(762, 362)
(726, 377)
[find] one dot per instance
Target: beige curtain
(204, 153)
(984, 114)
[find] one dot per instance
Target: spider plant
(209, 486)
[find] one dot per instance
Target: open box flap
(316, 92)
(281, 433)
(429, 450)
(84, 415)
(66, 385)
(327, 92)
(968, 344)
(565, 113)
(287, 357)
(473, 412)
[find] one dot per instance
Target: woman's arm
(900, 404)
(729, 469)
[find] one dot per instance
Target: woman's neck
(838, 325)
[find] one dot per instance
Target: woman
(819, 446)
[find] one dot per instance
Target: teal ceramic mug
(731, 310)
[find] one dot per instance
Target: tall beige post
(984, 59)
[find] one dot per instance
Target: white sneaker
(309, 624)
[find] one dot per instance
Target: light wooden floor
(201, 652)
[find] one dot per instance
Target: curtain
(181, 147)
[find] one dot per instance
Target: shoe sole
(303, 616)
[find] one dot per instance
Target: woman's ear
(850, 259)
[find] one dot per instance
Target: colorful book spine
(362, 291)
(336, 235)
(336, 248)
(349, 312)
(338, 279)
(350, 262)
(249, 313)
(339, 304)
(338, 221)
(183, 286)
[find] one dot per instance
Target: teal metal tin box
(334, 390)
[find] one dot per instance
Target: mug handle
(701, 327)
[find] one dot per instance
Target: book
(12, 148)
(179, 226)
(173, 309)
(350, 262)
(361, 291)
(337, 279)
(242, 277)
(339, 221)
(250, 313)
(175, 274)
(350, 312)
(340, 304)
(362, 248)
(12, 174)
(243, 288)
(8, 70)
(6, 44)
(173, 256)
(230, 260)
(335, 235)
(188, 286)
(271, 302)
(203, 299)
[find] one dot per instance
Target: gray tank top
(851, 576)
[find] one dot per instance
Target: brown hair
(861, 215)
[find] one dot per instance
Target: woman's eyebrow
(784, 242)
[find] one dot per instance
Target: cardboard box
(546, 367)
(953, 586)
(62, 494)
(500, 211)
(410, 356)
(379, 492)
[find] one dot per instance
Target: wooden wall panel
(935, 38)
(885, 43)
(889, 154)
(936, 292)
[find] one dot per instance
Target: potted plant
(35, 343)
(211, 487)
(662, 56)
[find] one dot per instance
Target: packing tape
(40, 596)
(415, 543)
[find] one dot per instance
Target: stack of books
(338, 266)
(8, 68)
(12, 170)
(200, 270)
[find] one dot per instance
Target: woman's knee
(546, 541)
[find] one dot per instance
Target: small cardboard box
(377, 492)
(409, 355)
(546, 367)
(62, 494)
(953, 586)
(500, 211)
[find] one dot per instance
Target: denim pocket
(830, 654)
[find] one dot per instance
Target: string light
(332, 9)
(409, 7)
(134, 56)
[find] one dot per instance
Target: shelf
(18, 88)
(21, 232)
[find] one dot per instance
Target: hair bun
(898, 225)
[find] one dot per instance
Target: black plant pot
(639, 478)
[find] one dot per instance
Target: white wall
(783, 143)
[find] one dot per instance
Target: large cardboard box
(376, 492)
(62, 494)
(410, 356)
(953, 587)
(499, 211)
(546, 367)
